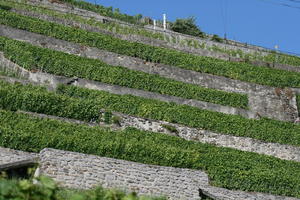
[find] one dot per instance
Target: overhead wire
(294, 1)
(283, 4)
(224, 12)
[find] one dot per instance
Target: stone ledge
(281, 151)
(247, 48)
(286, 152)
(82, 171)
(78, 170)
(53, 81)
(13, 159)
(158, 43)
(263, 100)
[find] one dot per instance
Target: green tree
(187, 26)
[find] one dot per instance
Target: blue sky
(259, 22)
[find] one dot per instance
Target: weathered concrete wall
(11, 158)
(154, 42)
(263, 100)
(53, 81)
(85, 171)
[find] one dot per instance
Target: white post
(154, 24)
(276, 56)
(165, 21)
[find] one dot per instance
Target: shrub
(216, 38)
(105, 11)
(48, 190)
(187, 26)
(170, 128)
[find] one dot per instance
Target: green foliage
(216, 38)
(55, 62)
(25, 189)
(84, 104)
(240, 71)
(108, 117)
(263, 129)
(298, 103)
(187, 26)
(48, 190)
(37, 99)
(105, 11)
(170, 128)
(111, 26)
(115, 27)
(3, 7)
(282, 58)
(226, 167)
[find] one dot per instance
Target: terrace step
(156, 42)
(83, 171)
(53, 81)
(285, 152)
(168, 34)
(264, 101)
(10, 159)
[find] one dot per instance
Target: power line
(287, 5)
(224, 11)
(294, 1)
(283, 4)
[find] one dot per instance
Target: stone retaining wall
(263, 100)
(53, 81)
(231, 45)
(286, 152)
(82, 171)
(281, 151)
(85, 171)
(11, 158)
(154, 42)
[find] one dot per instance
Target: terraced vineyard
(117, 105)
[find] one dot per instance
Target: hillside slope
(132, 101)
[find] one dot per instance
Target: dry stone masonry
(263, 100)
(53, 81)
(85, 171)
(286, 152)
(180, 39)
(81, 171)
(76, 170)
(11, 158)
